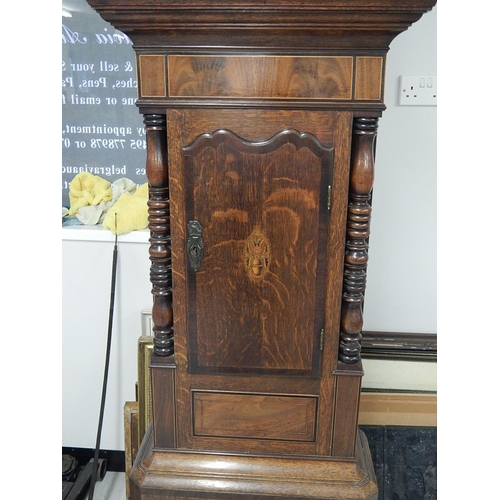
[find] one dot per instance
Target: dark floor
(405, 461)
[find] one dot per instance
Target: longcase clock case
(261, 122)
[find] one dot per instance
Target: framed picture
(147, 323)
(132, 438)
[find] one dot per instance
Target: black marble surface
(405, 461)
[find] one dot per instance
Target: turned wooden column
(358, 232)
(159, 225)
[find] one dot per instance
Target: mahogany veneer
(261, 121)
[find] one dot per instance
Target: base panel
(188, 475)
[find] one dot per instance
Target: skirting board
(399, 346)
(398, 409)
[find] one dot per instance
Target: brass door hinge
(321, 339)
(329, 198)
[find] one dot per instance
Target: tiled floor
(404, 459)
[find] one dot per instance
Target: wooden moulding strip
(408, 409)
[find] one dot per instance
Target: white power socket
(418, 90)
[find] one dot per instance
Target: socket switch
(418, 90)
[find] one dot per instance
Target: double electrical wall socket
(418, 90)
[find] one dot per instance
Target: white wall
(86, 287)
(401, 290)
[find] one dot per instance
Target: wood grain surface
(260, 207)
(278, 77)
(291, 171)
(264, 416)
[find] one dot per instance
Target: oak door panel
(256, 294)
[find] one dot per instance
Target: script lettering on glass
(102, 132)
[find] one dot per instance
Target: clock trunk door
(256, 232)
(251, 220)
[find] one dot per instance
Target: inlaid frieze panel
(369, 77)
(152, 73)
(201, 77)
(260, 77)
